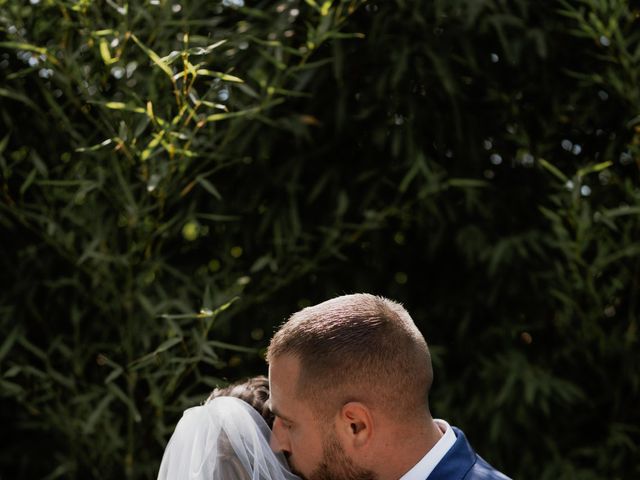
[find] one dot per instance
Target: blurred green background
(178, 176)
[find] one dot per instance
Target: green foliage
(178, 177)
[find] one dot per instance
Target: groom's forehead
(283, 377)
(276, 411)
(284, 372)
(281, 404)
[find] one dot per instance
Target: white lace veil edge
(225, 439)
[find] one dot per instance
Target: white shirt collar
(424, 467)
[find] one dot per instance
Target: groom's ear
(355, 424)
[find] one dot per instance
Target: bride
(225, 439)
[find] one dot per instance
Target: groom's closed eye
(281, 417)
(286, 424)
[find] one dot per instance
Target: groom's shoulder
(481, 470)
(461, 462)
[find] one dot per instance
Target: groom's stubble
(335, 464)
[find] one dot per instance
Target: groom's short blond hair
(357, 347)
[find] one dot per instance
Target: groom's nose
(279, 438)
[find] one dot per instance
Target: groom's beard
(335, 464)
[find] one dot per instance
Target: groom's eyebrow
(277, 412)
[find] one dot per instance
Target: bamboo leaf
(218, 217)
(467, 183)
(222, 76)
(164, 346)
(98, 146)
(114, 374)
(105, 53)
(24, 46)
(555, 171)
(209, 187)
(92, 420)
(622, 211)
(124, 398)
(195, 51)
(216, 117)
(123, 106)
(594, 168)
(4, 142)
(235, 348)
(154, 57)
(38, 352)
(10, 388)
(28, 181)
(8, 342)
(19, 98)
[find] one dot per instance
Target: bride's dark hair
(254, 391)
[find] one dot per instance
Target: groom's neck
(405, 446)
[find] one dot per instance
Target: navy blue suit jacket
(462, 463)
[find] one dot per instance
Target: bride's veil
(225, 439)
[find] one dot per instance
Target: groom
(349, 380)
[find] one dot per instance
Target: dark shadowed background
(178, 176)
